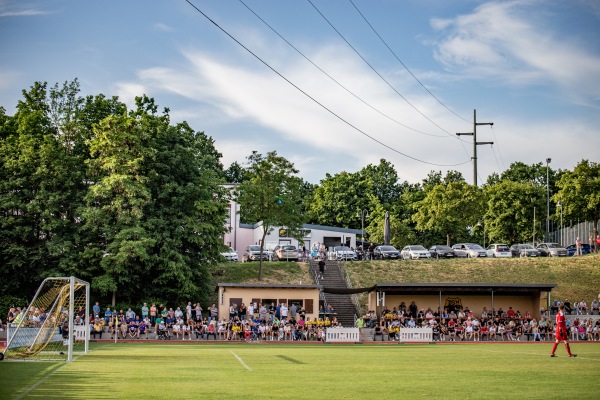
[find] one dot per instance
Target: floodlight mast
(475, 143)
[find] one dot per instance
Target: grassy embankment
(577, 277)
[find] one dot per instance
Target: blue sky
(532, 67)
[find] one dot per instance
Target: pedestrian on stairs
(321, 268)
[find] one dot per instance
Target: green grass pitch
(288, 371)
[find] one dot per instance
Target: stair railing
(354, 296)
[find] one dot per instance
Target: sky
(333, 85)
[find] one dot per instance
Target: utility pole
(475, 143)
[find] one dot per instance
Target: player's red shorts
(560, 336)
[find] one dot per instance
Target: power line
(374, 70)
(405, 67)
(498, 146)
(315, 100)
(333, 79)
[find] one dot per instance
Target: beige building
(306, 296)
(530, 298)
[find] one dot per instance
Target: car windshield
(254, 248)
(442, 248)
(288, 247)
(474, 247)
(342, 248)
(554, 246)
(388, 248)
(527, 247)
(503, 248)
(417, 248)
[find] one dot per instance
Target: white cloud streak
(501, 41)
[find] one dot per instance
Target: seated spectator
(484, 333)
(143, 328)
(378, 331)
(132, 330)
(583, 309)
(97, 329)
(186, 330)
(460, 331)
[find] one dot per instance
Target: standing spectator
(284, 311)
(578, 251)
(96, 310)
(262, 313)
(591, 242)
(250, 312)
(293, 311)
(561, 332)
(145, 311)
(214, 313)
(153, 314)
(188, 311)
(597, 243)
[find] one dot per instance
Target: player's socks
(568, 349)
(554, 347)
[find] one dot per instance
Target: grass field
(265, 371)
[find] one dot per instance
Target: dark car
(441, 251)
(386, 253)
(524, 250)
(552, 250)
(572, 248)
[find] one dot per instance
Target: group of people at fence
(463, 325)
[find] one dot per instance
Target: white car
(230, 254)
(471, 250)
(415, 252)
(343, 253)
(499, 250)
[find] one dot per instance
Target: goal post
(55, 325)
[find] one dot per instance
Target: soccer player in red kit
(561, 332)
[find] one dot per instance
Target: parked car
(415, 252)
(230, 254)
(442, 251)
(252, 253)
(498, 250)
(470, 250)
(386, 253)
(343, 253)
(572, 248)
(552, 250)
(285, 252)
(524, 250)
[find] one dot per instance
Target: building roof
(267, 286)
(463, 288)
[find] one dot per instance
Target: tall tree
(337, 199)
(449, 209)
(579, 192)
(271, 195)
(509, 211)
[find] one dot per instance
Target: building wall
(474, 302)
(252, 294)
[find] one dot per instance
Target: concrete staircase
(342, 303)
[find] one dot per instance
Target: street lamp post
(559, 205)
(362, 214)
(482, 224)
(548, 160)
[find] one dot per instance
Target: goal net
(54, 326)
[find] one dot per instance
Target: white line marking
(536, 354)
(38, 383)
(241, 361)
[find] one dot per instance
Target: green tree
(40, 188)
(510, 208)
(449, 209)
(579, 192)
(271, 195)
(337, 198)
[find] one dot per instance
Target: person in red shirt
(561, 332)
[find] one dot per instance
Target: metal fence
(568, 234)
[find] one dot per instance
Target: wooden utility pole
(475, 143)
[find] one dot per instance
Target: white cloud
(500, 40)
(20, 9)
(159, 26)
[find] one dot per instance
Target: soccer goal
(54, 326)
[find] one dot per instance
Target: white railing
(350, 335)
(415, 335)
